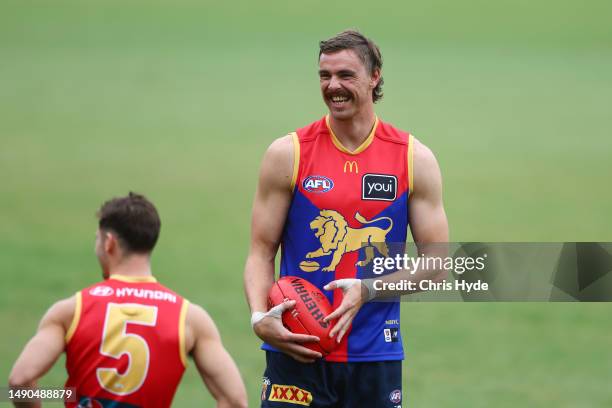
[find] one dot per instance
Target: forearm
(228, 403)
(229, 390)
(220, 374)
(258, 279)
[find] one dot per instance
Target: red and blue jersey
(347, 207)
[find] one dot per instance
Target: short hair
(134, 219)
(365, 48)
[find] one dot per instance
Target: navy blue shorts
(288, 383)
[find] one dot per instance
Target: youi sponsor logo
(378, 187)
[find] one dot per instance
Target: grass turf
(180, 99)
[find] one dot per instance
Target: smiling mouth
(339, 100)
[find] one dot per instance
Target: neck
(133, 265)
(354, 131)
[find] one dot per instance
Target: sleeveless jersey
(125, 346)
(346, 208)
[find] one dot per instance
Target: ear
(375, 77)
(110, 243)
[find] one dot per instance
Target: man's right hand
(271, 330)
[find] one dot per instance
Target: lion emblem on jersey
(338, 238)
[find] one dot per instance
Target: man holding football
(334, 195)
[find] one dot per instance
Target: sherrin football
(311, 306)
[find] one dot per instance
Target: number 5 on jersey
(116, 342)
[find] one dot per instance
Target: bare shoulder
(281, 147)
(277, 164)
(280, 153)
(426, 169)
(61, 312)
(422, 155)
(200, 322)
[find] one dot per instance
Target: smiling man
(334, 194)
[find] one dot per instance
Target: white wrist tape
(256, 317)
(276, 312)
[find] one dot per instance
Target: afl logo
(317, 184)
(101, 291)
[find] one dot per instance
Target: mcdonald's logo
(350, 165)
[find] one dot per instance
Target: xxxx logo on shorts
(290, 394)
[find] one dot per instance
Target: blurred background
(179, 100)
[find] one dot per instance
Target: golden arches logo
(350, 164)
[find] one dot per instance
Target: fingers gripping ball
(311, 306)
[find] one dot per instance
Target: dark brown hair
(134, 219)
(365, 48)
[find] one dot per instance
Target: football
(311, 306)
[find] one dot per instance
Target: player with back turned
(334, 195)
(127, 338)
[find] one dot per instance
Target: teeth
(339, 98)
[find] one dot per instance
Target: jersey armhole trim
(296, 159)
(76, 318)
(182, 318)
(410, 164)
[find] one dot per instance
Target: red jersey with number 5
(125, 346)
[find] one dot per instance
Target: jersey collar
(133, 279)
(359, 149)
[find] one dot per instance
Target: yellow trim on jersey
(296, 159)
(358, 150)
(75, 318)
(182, 318)
(410, 164)
(133, 279)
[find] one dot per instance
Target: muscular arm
(215, 365)
(41, 352)
(428, 221)
(272, 201)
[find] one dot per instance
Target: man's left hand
(354, 296)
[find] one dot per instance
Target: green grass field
(178, 100)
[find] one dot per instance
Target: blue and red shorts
(323, 384)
